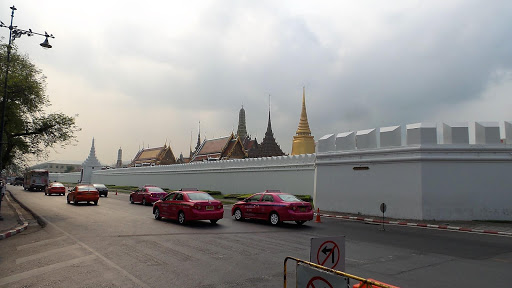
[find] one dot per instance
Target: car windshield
(200, 196)
(99, 186)
(289, 198)
(155, 189)
(57, 185)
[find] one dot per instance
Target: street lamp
(14, 32)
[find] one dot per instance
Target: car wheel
(238, 215)
(214, 221)
(156, 213)
(131, 199)
(300, 222)
(67, 199)
(106, 195)
(181, 217)
(75, 201)
(95, 202)
(144, 202)
(274, 218)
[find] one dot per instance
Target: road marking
(47, 253)
(39, 243)
(110, 263)
(45, 269)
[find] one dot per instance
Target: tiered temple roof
(269, 146)
(228, 147)
(154, 156)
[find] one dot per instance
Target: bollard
(318, 220)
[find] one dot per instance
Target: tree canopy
(29, 129)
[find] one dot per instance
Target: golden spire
(303, 142)
(303, 123)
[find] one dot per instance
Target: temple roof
(158, 155)
(211, 148)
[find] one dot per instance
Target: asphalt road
(118, 244)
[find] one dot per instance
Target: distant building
(59, 166)
(154, 156)
(303, 142)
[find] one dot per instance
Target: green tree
(29, 129)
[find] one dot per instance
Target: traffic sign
(310, 277)
(328, 252)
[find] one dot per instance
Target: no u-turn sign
(328, 252)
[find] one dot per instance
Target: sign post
(383, 208)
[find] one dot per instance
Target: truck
(36, 180)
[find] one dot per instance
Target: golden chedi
(303, 142)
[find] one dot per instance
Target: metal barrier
(363, 282)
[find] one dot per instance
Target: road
(118, 244)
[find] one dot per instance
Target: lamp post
(14, 32)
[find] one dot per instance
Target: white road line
(39, 243)
(45, 269)
(110, 263)
(45, 254)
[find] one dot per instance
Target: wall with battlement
(419, 174)
(421, 171)
(290, 174)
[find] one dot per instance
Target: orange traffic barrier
(318, 220)
(364, 284)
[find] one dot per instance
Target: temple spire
(303, 128)
(269, 146)
(242, 129)
(198, 137)
(303, 142)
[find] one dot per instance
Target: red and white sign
(310, 277)
(328, 252)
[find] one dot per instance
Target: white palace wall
(422, 179)
(290, 174)
(421, 171)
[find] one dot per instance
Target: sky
(143, 74)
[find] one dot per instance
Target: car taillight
(197, 207)
(220, 206)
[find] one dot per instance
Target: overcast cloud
(144, 73)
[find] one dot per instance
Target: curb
(421, 225)
(18, 229)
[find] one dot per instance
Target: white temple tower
(90, 164)
(119, 162)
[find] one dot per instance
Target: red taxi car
(273, 206)
(147, 194)
(55, 188)
(83, 193)
(187, 205)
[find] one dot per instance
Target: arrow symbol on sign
(328, 250)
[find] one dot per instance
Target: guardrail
(364, 283)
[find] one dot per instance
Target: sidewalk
(503, 228)
(13, 222)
